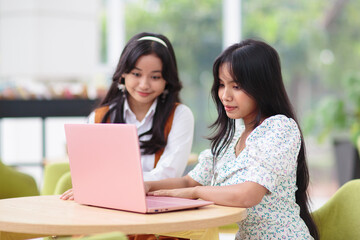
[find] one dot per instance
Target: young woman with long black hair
(260, 164)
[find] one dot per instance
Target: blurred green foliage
(334, 114)
(318, 43)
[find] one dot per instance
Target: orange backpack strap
(100, 113)
(167, 129)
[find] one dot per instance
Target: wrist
(147, 187)
(196, 192)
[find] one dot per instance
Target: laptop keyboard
(152, 201)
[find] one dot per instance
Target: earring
(121, 87)
(164, 94)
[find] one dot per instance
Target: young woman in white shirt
(145, 92)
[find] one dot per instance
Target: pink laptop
(106, 170)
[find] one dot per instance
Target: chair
(57, 178)
(16, 184)
(339, 217)
(229, 228)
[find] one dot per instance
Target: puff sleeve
(202, 172)
(272, 153)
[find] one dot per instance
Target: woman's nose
(144, 83)
(226, 95)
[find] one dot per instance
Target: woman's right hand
(68, 195)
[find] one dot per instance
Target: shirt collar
(129, 115)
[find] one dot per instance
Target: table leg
(199, 234)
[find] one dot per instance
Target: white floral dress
(269, 159)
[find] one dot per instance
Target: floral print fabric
(269, 159)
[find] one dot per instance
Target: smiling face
(145, 82)
(237, 103)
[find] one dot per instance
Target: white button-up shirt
(173, 161)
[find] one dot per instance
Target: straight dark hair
(133, 50)
(255, 66)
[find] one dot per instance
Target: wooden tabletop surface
(53, 216)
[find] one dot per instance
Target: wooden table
(29, 217)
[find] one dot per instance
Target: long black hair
(133, 50)
(255, 66)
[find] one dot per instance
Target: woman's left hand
(179, 192)
(68, 195)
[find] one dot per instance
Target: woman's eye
(136, 74)
(156, 77)
(221, 85)
(237, 87)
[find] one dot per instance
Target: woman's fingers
(180, 192)
(68, 195)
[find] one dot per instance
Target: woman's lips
(144, 94)
(229, 108)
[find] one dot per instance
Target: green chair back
(53, 173)
(339, 218)
(63, 184)
(16, 184)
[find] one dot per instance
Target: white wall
(49, 39)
